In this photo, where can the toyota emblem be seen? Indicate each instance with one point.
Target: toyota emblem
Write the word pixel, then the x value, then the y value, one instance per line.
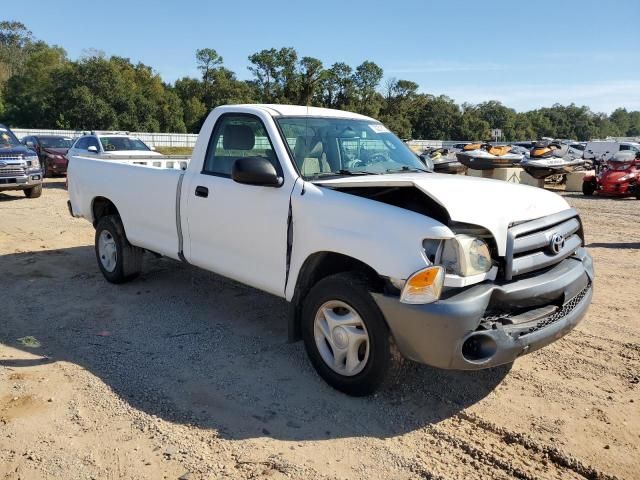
pixel 557 243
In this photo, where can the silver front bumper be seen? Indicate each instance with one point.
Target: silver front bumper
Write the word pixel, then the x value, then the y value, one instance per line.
pixel 22 182
pixel 442 333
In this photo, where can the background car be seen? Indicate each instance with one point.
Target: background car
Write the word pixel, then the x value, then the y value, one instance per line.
pixel 51 150
pixel 107 144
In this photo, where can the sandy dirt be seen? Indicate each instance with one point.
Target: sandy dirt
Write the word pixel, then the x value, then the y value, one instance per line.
pixel 183 374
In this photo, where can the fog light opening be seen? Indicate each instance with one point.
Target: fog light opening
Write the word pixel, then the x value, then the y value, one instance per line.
pixel 479 348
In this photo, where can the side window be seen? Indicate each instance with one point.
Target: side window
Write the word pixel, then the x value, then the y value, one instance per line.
pixel 81 144
pixel 93 142
pixel 236 136
pixel 625 147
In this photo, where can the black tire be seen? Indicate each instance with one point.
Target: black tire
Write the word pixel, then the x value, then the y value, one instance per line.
pixel 588 188
pixel 637 191
pixel 44 169
pixel 128 264
pixel 352 290
pixel 33 192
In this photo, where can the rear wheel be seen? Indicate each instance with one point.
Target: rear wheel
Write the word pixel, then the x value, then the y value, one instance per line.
pixel 44 169
pixel 637 192
pixel 119 261
pixel 33 192
pixel 345 335
pixel 588 188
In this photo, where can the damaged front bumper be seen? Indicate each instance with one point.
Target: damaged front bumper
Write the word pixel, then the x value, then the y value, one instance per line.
pixel 492 324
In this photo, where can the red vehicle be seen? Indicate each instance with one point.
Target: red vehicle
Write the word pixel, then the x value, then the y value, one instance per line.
pixel 619 178
pixel 52 151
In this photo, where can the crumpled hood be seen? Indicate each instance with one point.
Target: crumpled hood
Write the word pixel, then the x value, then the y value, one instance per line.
pixel 492 204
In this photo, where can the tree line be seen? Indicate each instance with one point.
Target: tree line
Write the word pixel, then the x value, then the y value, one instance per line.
pixel 40 87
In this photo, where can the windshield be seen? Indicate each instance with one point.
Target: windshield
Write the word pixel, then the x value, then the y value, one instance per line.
pixel 113 144
pixel 7 138
pixel 55 142
pixel 336 146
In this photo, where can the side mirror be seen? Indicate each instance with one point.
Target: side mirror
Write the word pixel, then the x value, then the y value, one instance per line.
pixel 152 148
pixel 30 144
pixel 255 171
pixel 93 149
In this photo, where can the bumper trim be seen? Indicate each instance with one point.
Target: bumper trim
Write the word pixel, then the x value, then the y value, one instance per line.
pixel 435 333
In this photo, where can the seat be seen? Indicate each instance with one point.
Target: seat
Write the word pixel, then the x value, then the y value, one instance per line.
pixel 310 157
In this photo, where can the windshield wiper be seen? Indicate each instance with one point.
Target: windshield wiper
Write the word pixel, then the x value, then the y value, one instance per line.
pixel 345 172
pixel 406 169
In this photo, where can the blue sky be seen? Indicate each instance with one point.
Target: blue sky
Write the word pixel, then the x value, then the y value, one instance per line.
pixel 525 54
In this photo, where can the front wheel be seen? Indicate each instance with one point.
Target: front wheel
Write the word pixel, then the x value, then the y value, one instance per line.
pixel 345 335
pixel 119 261
pixel 33 192
pixel 588 188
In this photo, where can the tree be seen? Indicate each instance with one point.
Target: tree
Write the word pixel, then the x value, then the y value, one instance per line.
pixel 311 72
pixel 366 79
pixel 15 41
pixel 337 86
pixel 275 75
pixel 437 118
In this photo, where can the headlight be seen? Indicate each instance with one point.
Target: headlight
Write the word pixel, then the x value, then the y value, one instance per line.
pixel 465 255
pixel 424 286
pixel 32 161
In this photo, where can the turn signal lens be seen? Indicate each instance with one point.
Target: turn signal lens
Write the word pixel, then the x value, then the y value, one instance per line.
pixel 424 286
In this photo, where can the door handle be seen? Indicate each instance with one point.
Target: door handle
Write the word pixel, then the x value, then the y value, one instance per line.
pixel 202 191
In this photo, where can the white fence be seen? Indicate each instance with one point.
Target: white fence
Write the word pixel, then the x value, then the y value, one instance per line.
pixel 151 139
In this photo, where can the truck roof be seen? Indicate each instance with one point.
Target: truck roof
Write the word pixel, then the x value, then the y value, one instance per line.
pixel 300 111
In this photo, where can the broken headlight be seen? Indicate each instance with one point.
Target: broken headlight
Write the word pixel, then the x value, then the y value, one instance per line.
pixel 466 255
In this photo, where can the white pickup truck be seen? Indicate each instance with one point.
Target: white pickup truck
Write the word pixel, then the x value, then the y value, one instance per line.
pixel 331 211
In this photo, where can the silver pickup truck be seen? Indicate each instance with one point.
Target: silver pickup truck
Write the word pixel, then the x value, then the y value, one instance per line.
pixel 19 166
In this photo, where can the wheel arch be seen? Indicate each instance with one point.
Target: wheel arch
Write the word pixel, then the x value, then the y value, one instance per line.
pixel 101 207
pixel 320 265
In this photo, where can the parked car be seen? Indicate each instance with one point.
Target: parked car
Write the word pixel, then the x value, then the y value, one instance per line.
pixel 604 150
pixel 19 166
pixel 331 211
pixel 110 145
pixel 51 150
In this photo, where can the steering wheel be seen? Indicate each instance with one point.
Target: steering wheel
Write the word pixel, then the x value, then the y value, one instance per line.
pixel 377 158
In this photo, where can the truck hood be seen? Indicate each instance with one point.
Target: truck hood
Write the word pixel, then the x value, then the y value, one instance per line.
pixel 492 204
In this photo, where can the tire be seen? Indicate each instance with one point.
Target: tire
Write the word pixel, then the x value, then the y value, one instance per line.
pixel 44 169
pixel 118 260
pixel 637 191
pixel 342 295
pixel 33 192
pixel 588 188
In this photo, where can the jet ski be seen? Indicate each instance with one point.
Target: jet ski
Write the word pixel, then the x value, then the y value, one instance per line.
pixel 444 161
pixel 548 158
pixel 484 156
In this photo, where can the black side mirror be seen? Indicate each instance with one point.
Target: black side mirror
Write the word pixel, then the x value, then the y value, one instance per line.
pixel 255 171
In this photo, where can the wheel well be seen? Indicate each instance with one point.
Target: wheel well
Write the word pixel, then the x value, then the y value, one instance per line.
pixel 321 265
pixel 102 207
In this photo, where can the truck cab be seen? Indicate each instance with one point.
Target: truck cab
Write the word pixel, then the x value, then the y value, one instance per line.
pixel 19 166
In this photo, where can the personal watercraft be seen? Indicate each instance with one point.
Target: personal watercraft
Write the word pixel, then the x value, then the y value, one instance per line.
pixel 549 158
pixel 484 156
pixel 444 161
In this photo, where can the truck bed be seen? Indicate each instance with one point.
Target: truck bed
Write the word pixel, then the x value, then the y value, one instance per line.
pixel 146 185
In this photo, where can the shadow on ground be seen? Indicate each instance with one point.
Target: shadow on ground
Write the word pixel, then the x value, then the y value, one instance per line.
pixel 192 347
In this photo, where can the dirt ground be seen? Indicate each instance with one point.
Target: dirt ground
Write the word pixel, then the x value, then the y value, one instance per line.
pixel 183 374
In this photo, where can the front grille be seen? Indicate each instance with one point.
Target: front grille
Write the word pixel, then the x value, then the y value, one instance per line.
pixel 565 310
pixel 10 157
pixel 529 243
pixel 12 172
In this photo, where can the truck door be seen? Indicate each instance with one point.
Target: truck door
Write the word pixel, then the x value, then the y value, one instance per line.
pixel 236 230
